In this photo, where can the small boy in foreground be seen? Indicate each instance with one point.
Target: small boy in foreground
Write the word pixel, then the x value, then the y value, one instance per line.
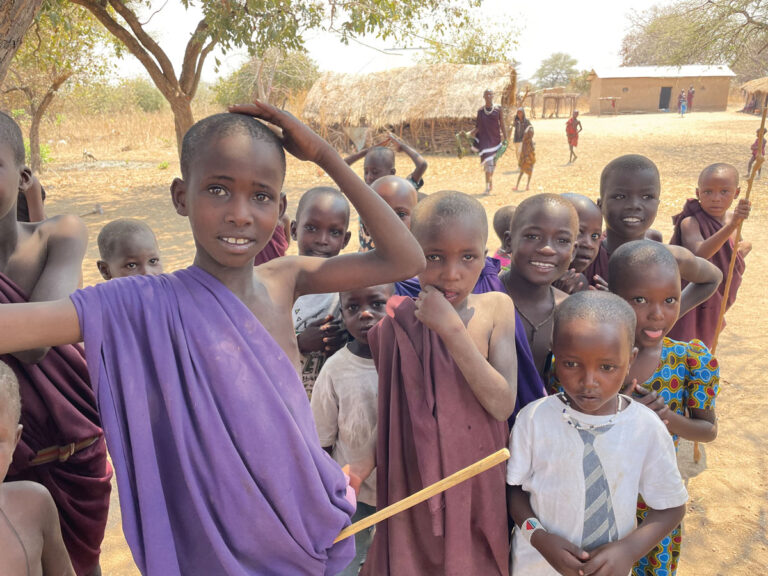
pixel 128 247
pixel 251 491
pixel 572 489
pixel 320 230
pixel 344 402
pixel 447 384
pixel 30 536
pixel 707 228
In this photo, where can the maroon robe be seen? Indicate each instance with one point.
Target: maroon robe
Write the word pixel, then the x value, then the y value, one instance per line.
pixel 58 408
pixel 701 322
pixel 275 248
pixel 431 425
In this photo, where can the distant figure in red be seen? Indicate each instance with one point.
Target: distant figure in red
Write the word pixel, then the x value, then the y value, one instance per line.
pixel 754 148
pixel 572 129
pixel 689 97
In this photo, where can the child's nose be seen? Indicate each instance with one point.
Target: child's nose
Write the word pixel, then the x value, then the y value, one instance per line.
pixel 239 212
pixel 547 248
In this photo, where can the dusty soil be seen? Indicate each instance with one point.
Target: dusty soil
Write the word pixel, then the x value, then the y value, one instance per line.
pixel 725 529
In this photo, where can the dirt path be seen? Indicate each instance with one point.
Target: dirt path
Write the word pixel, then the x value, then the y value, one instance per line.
pixel 725 529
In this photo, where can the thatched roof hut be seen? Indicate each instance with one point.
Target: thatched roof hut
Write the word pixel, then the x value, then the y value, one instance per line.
pixel 425 104
pixel 755 92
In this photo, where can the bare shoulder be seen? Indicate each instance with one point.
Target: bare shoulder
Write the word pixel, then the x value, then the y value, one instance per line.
pixel 488 300
pixel 29 499
pixel 66 226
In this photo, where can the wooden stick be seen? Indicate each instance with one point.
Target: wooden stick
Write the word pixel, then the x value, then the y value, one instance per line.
pixel 426 493
pixel 731 265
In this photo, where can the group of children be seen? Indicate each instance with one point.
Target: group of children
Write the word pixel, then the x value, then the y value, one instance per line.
pixel 419 355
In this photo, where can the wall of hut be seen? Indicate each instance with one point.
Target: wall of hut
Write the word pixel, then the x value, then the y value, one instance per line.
pixel 643 94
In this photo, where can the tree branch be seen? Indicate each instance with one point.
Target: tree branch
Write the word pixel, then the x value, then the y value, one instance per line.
pixel 200 62
pixel 190 63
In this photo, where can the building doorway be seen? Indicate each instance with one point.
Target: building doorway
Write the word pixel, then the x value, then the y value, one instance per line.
pixel 664 97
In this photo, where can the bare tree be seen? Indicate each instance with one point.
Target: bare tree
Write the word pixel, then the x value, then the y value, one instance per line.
pixel 15 18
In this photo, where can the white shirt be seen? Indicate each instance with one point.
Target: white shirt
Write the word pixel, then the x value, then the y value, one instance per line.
pixel 306 310
pixel 637 455
pixel 344 404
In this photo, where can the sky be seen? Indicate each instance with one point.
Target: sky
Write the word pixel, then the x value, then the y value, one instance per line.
pixel 591 33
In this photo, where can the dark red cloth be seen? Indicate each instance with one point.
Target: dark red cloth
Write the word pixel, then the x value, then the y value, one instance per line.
pixel 701 322
pixel 431 425
pixel 599 266
pixel 275 248
pixel 59 407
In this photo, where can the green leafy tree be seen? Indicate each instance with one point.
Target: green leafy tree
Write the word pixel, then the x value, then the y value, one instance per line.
pixel 557 70
pixel 15 18
pixel 63 43
pixel 476 42
pixel 734 32
pixel 258 25
pixel 274 77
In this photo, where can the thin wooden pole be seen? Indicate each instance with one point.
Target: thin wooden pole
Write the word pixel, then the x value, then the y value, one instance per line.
pixel 731 265
pixel 426 493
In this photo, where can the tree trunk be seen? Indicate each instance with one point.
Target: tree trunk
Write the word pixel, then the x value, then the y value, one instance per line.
pixel 15 18
pixel 182 117
pixel 37 116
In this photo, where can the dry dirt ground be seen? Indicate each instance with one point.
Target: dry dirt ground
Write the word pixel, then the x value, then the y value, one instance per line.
pixel 725 529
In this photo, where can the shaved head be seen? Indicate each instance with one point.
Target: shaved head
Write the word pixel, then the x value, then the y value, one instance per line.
pixel 438 210
pixel 538 201
pixel 502 220
pixel 719 169
pixel 9 392
pixel 628 163
pixel 314 194
pixel 115 232
pixel 394 186
pixel 636 257
pixel 582 202
pixel 600 308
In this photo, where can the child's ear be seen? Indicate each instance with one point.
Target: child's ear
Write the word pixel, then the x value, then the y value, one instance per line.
pixel 347 236
pixel 293 230
pixel 104 269
pixel 633 355
pixel 179 196
pixel 738 191
pixel 698 197
pixel 599 203
pixel 25 179
pixel 19 428
pixel 507 243
pixel 283 205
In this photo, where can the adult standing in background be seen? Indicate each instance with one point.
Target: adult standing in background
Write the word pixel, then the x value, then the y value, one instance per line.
pixel 491 134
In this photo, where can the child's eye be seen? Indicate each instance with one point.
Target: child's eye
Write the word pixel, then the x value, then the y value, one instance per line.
pixel 131 265
pixel 565 240
pixel 607 367
pixel 309 228
pixel 154 261
pixel 531 236
pixel 433 258
pixel 379 304
pixel 670 300
pixel 216 190
pixel 262 197
pixel 639 300
pixel 595 236
pixel 618 196
pixel 402 215
pixel 648 197
pixel 353 307
pixel 468 257
pixel 570 364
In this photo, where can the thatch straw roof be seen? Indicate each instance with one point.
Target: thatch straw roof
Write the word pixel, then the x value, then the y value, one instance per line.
pixel 391 97
pixel 756 85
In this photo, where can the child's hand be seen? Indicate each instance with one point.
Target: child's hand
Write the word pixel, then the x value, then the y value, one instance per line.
pixel 601 284
pixel 652 400
pixel 564 556
pixel 435 312
pixel 298 138
pixel 397 144
pixel 741 212
pixel 608 560
pixel 323 335
pixel 570 282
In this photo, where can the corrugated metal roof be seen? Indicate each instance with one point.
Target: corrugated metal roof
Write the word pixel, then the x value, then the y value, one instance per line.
pixel 691 71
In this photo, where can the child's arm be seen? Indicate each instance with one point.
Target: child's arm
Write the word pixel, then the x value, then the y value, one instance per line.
pixel 65 249
pixel 34 195
pixel 706 248
pixel 352 158
pixel 618 557
pixel 502 124
pixel 562 555
pixel 704 277
pixel 54 558
pixel 418 160
pixel 700 427
pixel 493 381
pixel 397 255
pixel 38 324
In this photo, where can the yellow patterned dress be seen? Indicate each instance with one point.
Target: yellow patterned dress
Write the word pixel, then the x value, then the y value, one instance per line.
pixel 688 376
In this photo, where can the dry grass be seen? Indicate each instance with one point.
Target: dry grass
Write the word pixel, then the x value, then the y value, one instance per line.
pixel 725 531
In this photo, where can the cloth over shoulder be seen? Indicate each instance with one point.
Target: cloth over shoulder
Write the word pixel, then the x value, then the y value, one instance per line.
pixel 430 426
pixel 218 463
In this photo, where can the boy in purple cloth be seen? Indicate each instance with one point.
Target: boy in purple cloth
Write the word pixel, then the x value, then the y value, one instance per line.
pixel 219 466
pixel 707 228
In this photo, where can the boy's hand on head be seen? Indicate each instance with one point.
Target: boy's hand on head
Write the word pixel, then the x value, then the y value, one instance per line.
pixel 435 312
pixel 297 137
pixel 564 556
pixel 608 560
pixel 741 212
pixel 649 398
pixel 397 144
